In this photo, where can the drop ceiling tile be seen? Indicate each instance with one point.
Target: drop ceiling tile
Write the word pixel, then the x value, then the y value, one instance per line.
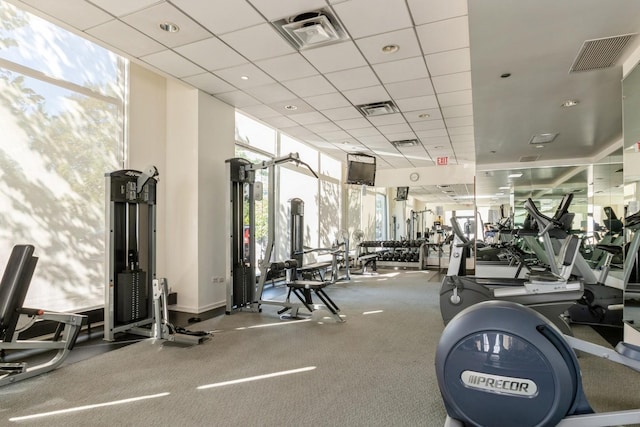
pixel 209 83
pixel 405 69
pixel 368 131
pixel 125 38
pixel 444 35
pixel 462 130
pixel 375 140
pixel 335 57
pixel 322 127
pixel 280 122
pixel 457 111
pixel 450 99
pixel 221 16
pixel 148 21
pixel 341 113
pixel 357 123
pixel 327 101
pixel 260 112
pixel 284 107
pixel 172 63
pixel 393 129
pixel 270 93
pixel 425 11
pixel 451 61
pixel 460 121
pixel 122 7
pixel 434 141
pixel 387 119
pixel 307 118
pixel 423 163
pixel 237 99
pixel 452 82
pixel 77 13
pixel 405 39
pixel 400 136
pixel 433 133
pixel 353 78
pixel 287 67
pixel 410 88
pixel 233 75
pixel 309 86
pixel 274 10
pixel 258 42
pixel 366 95
pixel 211 54
pixel 414 116
pixel 339 135
pixel 418 103
pixel 368 17
pixel 428 125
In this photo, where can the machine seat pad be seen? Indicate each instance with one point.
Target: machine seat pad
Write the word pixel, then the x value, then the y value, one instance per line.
pixel 315 266
pixel 307 284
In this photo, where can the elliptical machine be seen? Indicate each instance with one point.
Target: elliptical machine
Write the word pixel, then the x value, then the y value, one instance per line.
pixel 499 363
pixel 551 294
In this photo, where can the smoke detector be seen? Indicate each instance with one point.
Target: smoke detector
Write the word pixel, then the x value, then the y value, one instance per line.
pixel 311 29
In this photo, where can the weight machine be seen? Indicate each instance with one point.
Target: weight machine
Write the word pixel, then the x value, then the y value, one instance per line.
pixel 242 291
pixel 135 300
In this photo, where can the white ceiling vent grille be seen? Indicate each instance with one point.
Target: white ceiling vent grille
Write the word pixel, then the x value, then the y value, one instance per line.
pixel 600 53
pixel 405 143
pixel 311 29
pixel 378 108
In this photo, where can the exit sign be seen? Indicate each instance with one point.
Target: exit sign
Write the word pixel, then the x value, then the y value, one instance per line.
pixel 442 161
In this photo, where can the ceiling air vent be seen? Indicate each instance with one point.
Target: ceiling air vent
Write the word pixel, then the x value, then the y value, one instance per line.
pixel 543 138
pixel 378 108
pixel 405 143
pixel 600 53
pixel 311 29
pixel 528 158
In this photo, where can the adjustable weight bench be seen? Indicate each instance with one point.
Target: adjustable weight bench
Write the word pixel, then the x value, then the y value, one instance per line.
pixel 13 290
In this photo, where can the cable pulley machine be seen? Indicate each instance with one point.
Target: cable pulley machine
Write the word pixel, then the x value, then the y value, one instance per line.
pixel 242 291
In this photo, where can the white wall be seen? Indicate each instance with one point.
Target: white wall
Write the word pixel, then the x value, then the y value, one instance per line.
pixel 216 143
pixel 187 134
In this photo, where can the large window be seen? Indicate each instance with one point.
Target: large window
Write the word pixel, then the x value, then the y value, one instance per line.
pixel 322 196
pixel 61 115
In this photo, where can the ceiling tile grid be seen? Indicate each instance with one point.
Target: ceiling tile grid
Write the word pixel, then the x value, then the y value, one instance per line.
pixel 232 50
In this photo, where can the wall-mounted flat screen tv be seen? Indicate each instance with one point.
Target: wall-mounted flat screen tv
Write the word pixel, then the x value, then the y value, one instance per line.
pixel 402 193
pixel 361 169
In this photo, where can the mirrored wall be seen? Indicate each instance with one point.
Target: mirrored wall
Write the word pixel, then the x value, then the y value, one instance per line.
pixel 631 125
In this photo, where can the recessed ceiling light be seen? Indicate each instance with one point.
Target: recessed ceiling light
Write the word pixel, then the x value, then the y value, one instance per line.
pixel 505 75
pixel 290 107
pixel 244 77
pixel 570 103
pixel 169 27
pixel 504 188
pixel 390 48
pixel 424 116
pixel 539 146
pixel 515 175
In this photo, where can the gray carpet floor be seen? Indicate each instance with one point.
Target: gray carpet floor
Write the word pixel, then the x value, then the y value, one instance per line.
pixel 375 369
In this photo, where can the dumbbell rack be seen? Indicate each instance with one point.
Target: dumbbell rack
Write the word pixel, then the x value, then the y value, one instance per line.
pixel 396 253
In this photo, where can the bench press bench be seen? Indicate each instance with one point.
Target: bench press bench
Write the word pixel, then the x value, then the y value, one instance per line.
pixel 13 290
